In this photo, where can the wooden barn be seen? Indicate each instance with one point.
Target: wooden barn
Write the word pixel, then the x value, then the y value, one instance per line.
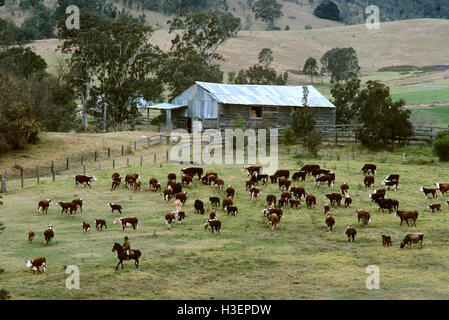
pixel 213 106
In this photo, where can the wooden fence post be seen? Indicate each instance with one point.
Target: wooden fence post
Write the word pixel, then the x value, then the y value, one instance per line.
pixel 127 162
pixel 123 149
pixel 113 164
pixel 6 174
pixel 37 174
pixel 95 156
pixel 21 176
pixel 135 145
pixel 67 164
pixel 99 165
pixel 4 189
pixel 155 158
pixel 84 169
pixel 166 155
pixel 52 165
pixel 141 160
pixel 53 175
pixel 109 152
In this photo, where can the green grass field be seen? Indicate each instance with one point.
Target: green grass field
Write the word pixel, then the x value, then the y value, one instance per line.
pixel 299 260
pixel 436 115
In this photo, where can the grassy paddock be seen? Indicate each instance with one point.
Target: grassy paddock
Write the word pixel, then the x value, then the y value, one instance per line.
pixel 248 260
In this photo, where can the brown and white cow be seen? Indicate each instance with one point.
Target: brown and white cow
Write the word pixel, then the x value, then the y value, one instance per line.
pixel 299 176
pixel 442 187
pixel 213 224
pixel 48 235
pixel 294 203
pixel 230 192
pixel 351 233
pixel 348 201
pixel 282 173
pixel 284 182
pixel 193 171
pixel 66 206
pixel 171 176
pixel 83 179
pixel 333 198
pixel 255 192
pixel 368 181
pixel 298 192
pixel 252 169
pixel 310 167
pixel 344 188
pixel 325 178
pixel 271 200
pixel 406 216
pixel 115 207
pixel 86 227
pixel 369 167
pixel 37 263
pixel 214 201
pixel 412 238
pixel 186 180
pixel 100 223
pixel 310 200
pixel 130 179
pixel 330 221
pixel 169 219
pixel 327 209
pixel 181 196
pixel 429 191
pixel 30 236
pixel 434 206
pixel 273 220
pixel 79 202
pixel 390 183
pixel 364 216
pixel 128 222
pixel 226 202
pixel 43 206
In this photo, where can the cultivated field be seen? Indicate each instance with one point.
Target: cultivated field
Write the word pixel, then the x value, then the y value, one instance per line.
pixel 298 260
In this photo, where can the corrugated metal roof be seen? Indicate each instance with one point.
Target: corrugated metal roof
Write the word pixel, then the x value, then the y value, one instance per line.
pixel 264 95
pixel 166 106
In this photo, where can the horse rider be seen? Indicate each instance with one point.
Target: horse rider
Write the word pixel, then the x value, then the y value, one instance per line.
pixel 126 246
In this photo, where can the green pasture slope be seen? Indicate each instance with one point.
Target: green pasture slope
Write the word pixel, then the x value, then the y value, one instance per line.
pixel 298 260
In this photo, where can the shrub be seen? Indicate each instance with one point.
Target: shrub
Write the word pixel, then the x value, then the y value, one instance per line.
pixel 441 148
pixel 4 294
pixel 327 10
pixel 313 142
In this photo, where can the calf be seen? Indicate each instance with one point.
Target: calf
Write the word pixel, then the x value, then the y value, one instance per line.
pixel 369 167
pixel 344 188
pixel 330 221
pixel 317 172
pixel 128 222
pixel 442 187
pixel 37 263
pixel 86 227
pixel 193 171
pixel 298 192
pixel 407 215
pixel 255 192
pixel 299 176
pixel 154 184
pixel 351 233
pixel 232 210
pixel 348 201
pixel 115 184
pixel 273 220
pixel 181 196
pixel 116 176
pixel 261 178
pixel 209 177
pixel 43 206
pixel 286 195
pixel 271 200
pixel 333 197
pixel 310 200
pixel 218 183
pixel 199 206
pixel 86 180
pixel 186 180
pixel 100 223
pixel 327 209
pixel 282 203
pixel 214 201
pixel 30 236
pixel 66 206
pixel 377 196
pixel 364 216
pixel 249 184
pixel 435 206
pixel 368 181
pixel 181 216
pixel 79 203
pixel 428 192
pixel 213 224
pixel 115 207
pixel 273 178
pixel 168 194
pixel 294 203
pixel 284 182
pixel 137 186
pixel 230 191
pixel 226 202
pixel 385 204
pixel 130 179
pixel 412 238
pixel 48 234
pixel 169 219
pixel 212 215
pixel 386 240
pixel 390 183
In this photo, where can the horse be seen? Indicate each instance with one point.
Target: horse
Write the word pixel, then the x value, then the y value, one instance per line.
pixel 121 255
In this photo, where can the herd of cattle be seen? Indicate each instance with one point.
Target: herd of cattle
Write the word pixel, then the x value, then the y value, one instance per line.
pixel 290 196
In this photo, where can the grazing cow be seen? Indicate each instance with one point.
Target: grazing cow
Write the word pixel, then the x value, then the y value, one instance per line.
pixel 385 204
pixel 282 202
pixel 435 206
pixel 43 206
pixel 325 178
pixel 66 206
pixel 213 224
pixel 282 173
pixel 214 201
pixel 386 240
pixel 308 168
pixel 181 196
pixel 392 177
pixel 115 184
pixel 407 215
pixel 128 222
pixel 252 170
pixel 137 186
pixel 37 263
pixel 116 176
pixel 168 194
pixel 226 202
pixel 48 234
pixel 86 180
pixel 192 171
pixel 153 184
pixel 181 216
pixel 169 219
pixel 115 207
pixel 218 183
pixel 298 192
pixel 212 215
pixel 86 227
pixel 130 179
pixel 209 177
pixel 286 195
pixel 333 197
pixel 171 176
pixel 30 236
pixel 199 206
pixel 442 187
pixel 369 167
pixel 330 221
pixel 230 192
pixel 255 192
pixel 276 211
pixel 310 200
pixel 294 203
pixel 364 216
pixel 299 176
pixel 344 188
pixel 351 233
pixel 317 172
pixel 412 238
pixel 79 203
pixel 232 210
pixel 327 209
pixel 271 200
pixel 348 201
pixel 273 220
pixel 284 182
pixel 100 223
pixel 249 184
pixel 429 191
pixel 260 178
pixel 368 181
pixel 186 180
pixel 390 183
pixel 376 196
pixel 273 178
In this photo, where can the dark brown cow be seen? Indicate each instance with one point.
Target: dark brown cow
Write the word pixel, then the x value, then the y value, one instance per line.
pixel 298 192
pixel 37 263
pixel 181 196
pixel 218 183
pixel 299 176
pixel 386 240
pixel 232 210
pixel 282 173
pixel 199 206
pixel 226 202
pixel 48 234
pixel 364 216
pixel 168 194
pixel 325 178
pixel 330 221
pixel 209 177
pixel 344 188
pixel 255 192
pixel 30 236
pixel 252 169
pixel 271 200
pixel 66 206
pixel 317 172
pixel 115 184
pixel 333 197
pixel 115 207
pixel 213 224
pixel 294 203
pixel 249 184
pixel 327 209
pixel 442 187
pixel 86 226
pixel 351 233
pixel 169 219
pixel 43 206
pixel 86 180
pixel 392 177
pixel 214 201
pixel 435 206
pixel 407 215
pixel 391 183
pixel 310 200
pixel 412 238
pixel 310 167
pixel 283 182
pixel 186 180
pixel 128 222
pixel 368 181
pixel 137 186
pixel 116 176
pixel 100 223
pixel 282 203
pixel 369 167
pixel 171 176
pixel 348 201
pixel 212 215
pixel 181 216
pixel 286 195
pixel 429 191
pixel 130 179
pixel 273 178
pixel 192 171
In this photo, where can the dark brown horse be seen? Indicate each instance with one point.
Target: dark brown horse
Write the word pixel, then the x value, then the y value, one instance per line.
pixel 121 255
